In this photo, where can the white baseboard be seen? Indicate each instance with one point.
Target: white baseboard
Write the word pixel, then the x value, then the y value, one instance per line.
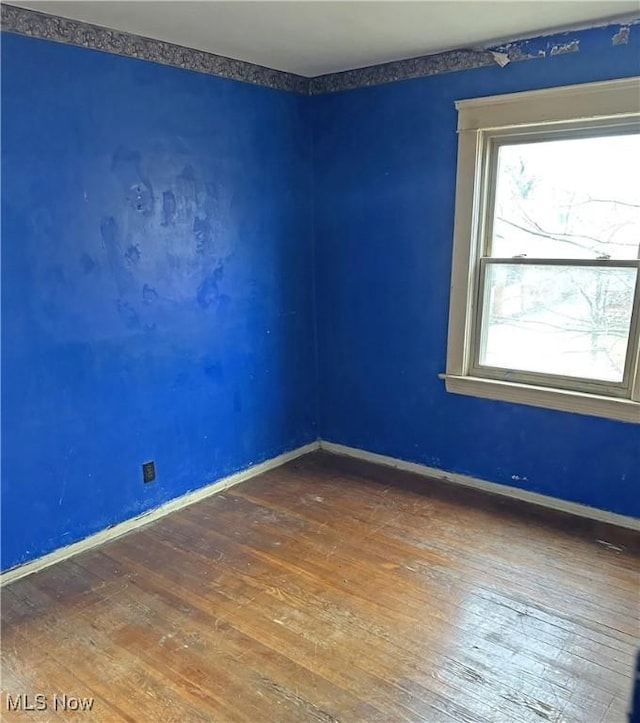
pixel 573 508
pixel 110 533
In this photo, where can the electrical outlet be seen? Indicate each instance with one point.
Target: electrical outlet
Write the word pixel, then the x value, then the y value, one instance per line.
pixel 148 471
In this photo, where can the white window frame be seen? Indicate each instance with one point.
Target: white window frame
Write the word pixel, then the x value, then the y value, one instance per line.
pixel 590 108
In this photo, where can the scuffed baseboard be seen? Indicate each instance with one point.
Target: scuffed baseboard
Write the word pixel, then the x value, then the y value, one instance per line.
pixel 111 533
pixel 572 508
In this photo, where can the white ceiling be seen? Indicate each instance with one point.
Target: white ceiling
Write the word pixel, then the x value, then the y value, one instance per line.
pixel 311 38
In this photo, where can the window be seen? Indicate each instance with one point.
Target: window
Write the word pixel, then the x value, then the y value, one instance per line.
pixel 545 292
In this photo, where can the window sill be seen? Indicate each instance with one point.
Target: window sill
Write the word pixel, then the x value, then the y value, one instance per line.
pixel 563 400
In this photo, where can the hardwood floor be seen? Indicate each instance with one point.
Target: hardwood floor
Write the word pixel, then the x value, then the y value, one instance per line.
pixel 330 590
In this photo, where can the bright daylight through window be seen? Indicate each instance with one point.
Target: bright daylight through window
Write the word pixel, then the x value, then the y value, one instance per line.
pixel 545 305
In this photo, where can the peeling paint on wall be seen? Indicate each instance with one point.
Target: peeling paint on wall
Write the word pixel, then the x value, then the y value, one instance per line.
pixel 502 59
pixel 571 47
pixel 517 51
pixel 621 37
pixel 537 48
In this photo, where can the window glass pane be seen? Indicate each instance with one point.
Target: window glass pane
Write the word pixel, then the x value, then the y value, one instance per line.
pixel 565 320
pixel 572 198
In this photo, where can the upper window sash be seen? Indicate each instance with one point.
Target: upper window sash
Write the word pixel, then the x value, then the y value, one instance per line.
pixel 489 144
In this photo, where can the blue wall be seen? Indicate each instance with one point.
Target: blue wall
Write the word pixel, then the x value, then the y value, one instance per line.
pixel 385 178
pixel 156 286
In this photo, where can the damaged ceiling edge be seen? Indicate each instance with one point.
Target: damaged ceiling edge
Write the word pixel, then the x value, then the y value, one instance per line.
pixel 467 59
pixel 44 26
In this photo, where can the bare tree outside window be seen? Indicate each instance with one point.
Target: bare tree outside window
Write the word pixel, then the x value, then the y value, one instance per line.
pixel 573 204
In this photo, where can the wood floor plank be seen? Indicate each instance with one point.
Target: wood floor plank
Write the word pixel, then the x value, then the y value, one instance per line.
pixel 329 590
pixel 388 551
